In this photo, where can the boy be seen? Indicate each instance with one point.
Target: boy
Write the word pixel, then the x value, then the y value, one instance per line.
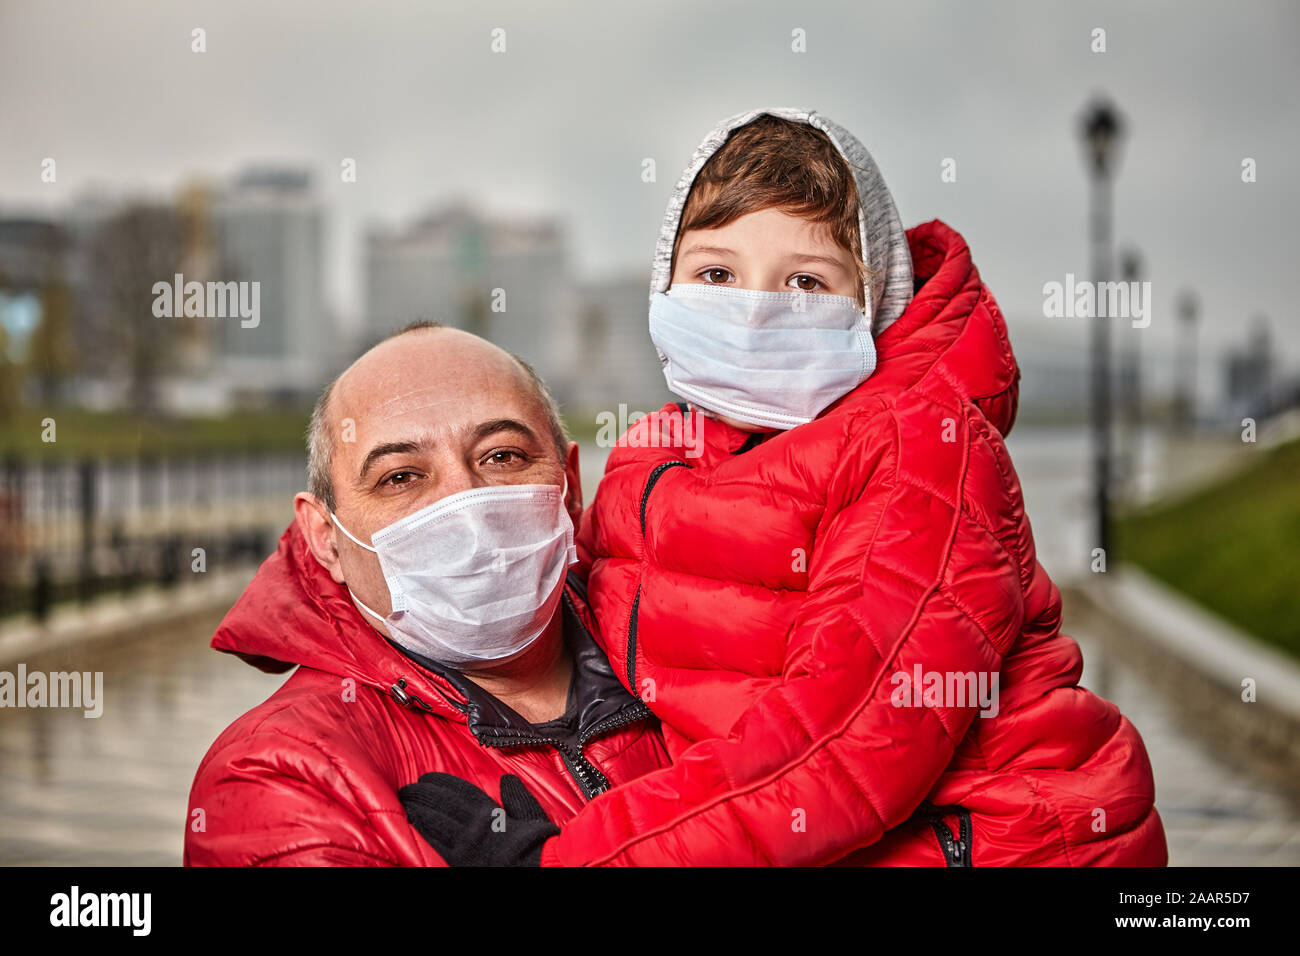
pixel 834 606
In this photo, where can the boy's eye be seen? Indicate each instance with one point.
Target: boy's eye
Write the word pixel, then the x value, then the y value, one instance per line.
pixel 716 275
pixel 806 283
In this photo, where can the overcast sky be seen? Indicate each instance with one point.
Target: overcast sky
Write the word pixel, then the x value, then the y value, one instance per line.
pixel 561 122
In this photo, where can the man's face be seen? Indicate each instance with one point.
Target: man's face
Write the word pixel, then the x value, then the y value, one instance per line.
pixel 769 251
pixel 422 416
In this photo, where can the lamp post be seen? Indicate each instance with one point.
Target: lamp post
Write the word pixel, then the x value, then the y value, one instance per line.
pixel 1130 376
pixel 1101 129
pixel 1185 394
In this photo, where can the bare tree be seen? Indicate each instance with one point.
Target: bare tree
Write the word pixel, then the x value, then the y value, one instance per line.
pixel 141 245
pixel 49 353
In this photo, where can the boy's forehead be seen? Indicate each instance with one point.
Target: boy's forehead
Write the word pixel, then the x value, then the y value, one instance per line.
pixel 768 231
pixel 769 220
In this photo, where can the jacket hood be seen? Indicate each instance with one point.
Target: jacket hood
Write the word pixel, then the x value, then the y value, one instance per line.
pixel 889 288
pixel 952 330
pixel 293 613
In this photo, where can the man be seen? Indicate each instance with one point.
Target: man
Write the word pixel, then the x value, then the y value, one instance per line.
pixel 422 591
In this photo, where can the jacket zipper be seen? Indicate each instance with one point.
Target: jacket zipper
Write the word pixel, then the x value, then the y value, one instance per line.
pixel 404 697
pixel 588 776
pixel 636 600
pixel 956 851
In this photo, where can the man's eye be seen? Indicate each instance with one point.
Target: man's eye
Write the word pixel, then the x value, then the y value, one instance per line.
pixel 503 457
pixel 400 478
pixel 806 283
pixel 710 275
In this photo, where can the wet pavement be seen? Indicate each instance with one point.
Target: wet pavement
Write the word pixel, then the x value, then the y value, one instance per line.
pixel 1214 812
pixel 114 790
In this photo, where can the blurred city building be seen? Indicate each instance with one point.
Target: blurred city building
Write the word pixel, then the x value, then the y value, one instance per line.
pixel 267 226
pixel 76 298
pixel 512 281
pixel 617 359
pixel 508 280
pixel 1254 384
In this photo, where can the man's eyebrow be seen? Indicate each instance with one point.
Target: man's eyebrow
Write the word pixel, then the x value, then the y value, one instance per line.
pixel 387 448
pixel 501 425
pixel 480 431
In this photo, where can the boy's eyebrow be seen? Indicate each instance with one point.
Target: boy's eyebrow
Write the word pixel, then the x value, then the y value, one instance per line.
pixel 813 257
pixel 799 256
pixel 714 250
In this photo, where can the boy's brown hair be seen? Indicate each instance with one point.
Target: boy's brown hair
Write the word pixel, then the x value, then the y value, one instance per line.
pixel 773 162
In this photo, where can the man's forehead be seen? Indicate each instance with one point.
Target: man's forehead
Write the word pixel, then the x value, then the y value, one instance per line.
pixel 423 391
pixel 430 409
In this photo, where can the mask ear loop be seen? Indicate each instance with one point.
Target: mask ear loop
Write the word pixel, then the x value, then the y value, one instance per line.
pixel 339 525
pixel 356 600
pixel 571 556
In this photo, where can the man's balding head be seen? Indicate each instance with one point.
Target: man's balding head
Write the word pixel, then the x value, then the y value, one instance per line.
pixel 427 413
pixel 326 429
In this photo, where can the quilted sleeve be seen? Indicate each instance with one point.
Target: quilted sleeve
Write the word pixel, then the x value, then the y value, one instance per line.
pixel 916 574
pixel 273 799
pixel 609 524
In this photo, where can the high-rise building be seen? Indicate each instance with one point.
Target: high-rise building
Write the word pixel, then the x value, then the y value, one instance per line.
pixel 507 280
pixel 618 360
pixel 268 228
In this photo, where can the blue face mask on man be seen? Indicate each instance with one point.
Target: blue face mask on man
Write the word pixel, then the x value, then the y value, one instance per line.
pixel 775 359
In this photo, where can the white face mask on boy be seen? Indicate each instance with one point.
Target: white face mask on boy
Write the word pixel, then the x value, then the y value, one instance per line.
pixel 775 359
pixel 475 577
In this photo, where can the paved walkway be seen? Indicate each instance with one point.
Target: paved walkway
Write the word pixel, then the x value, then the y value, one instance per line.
pixel 113 790
pixel 1214 813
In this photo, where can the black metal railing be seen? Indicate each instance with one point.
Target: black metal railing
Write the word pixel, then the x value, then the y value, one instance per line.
pixel 73 530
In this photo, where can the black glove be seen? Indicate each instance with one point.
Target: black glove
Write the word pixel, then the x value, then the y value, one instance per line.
pixel 466 826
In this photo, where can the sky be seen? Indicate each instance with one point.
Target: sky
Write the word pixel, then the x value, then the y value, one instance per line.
pixel 561 121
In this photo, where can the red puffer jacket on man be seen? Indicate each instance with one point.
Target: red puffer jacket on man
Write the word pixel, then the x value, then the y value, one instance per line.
pixel 765 595
pixel 310 777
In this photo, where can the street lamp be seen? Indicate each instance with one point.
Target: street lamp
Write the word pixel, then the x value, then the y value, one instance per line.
pixel 1101 129
pixel 1130 377
pixel 1185 394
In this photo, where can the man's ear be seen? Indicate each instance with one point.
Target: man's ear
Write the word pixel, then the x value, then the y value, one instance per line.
pixel 314 522
pixel 573 472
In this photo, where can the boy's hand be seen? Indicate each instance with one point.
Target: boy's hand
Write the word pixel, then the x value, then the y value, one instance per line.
pixel 466 826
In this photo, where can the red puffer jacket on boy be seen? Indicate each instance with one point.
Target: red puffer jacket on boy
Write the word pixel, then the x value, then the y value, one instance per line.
pixel 775 598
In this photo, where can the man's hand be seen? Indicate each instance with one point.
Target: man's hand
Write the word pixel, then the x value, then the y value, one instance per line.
pixel 466 826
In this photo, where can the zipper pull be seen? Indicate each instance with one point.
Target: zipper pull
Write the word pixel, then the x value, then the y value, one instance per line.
pixel 399 694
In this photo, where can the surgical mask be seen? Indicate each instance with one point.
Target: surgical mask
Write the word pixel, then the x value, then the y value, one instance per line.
pixel 775 359
pixel 475 577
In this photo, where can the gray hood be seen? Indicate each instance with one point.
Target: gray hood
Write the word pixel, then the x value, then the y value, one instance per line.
pixel 883 241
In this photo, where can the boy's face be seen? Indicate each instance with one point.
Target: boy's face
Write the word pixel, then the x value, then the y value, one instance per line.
pixel 769 251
